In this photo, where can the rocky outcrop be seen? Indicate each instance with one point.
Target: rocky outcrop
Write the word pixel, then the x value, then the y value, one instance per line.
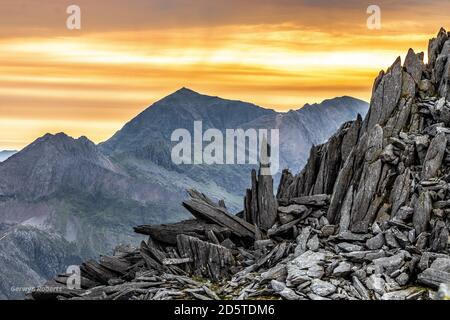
pixel 367 218
pixel 398 153
pixel 260 205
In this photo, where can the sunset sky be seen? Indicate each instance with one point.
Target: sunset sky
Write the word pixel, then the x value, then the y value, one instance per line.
pixel 279 54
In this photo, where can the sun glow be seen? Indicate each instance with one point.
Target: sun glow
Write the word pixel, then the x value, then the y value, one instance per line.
pixel 91 83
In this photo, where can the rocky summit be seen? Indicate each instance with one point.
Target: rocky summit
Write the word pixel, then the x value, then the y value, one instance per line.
pixel 367 218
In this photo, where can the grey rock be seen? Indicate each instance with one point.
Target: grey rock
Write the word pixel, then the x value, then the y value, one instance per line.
pixel 402 186
pixel 391 240
pixel 433 278
pixel 441 264
pixel 403 214
pixel 422 212
pixel 203 208
pixel 348 247
pixel 302 241
pixel 376 283
pixel 440 236
pixel 434 157
pixel 210 260
pixel 402 279
pixel 375 243
pixel 414 65
pixel 388 155
pixel 313 243
pixel 392 263
pixel 309 261
pixel 322 288
pixel 360 288
pixel 293 209
pixel 343 269
pixel 422 143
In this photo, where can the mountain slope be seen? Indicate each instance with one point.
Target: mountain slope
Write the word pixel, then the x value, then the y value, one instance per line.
pixel 66 185
pixel 5 154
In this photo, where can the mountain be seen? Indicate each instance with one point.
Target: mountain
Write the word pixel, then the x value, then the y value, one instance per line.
pixel 68 186
pixel 179 110
pixel 367 218
pixel 5 154
pixel 91 196
pixel 145 141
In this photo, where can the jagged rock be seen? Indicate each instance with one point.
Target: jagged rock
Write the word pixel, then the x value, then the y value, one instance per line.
pixel 360 289
pixel 285 218
pixel 441 264
pixel 313 243
pixel 403 214
pixel 376 283
pixel 375 243
pixel 294 209
pixel 360 217
pixel 286 293
pixel 209 260
pixel 422 212
pixel 306 266
pixel 285 181
pixel 414 65
pixel 440 236
pixel 391 240
pixel 260 203
pixel 402 186
pixel 348 247
pixel 388 155
pixel 283 228
pixel 302 241
pixel 318 200
pixel 322 288
pixel 434 157
pixel 406 294
pixel 275 273
pixel 167 233
pixel 343 269
pixel 422 142
pixel 204 209
pixel 392 263
pixel 435 46
pixel 433 278
pixel 96 272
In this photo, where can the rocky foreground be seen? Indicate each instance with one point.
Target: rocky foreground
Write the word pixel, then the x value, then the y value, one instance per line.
pixel 367 218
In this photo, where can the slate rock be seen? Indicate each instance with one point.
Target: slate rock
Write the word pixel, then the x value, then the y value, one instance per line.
pixel 322 288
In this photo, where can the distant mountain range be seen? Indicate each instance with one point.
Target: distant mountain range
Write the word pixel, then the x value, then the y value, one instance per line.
pixel 5 154
pixel 90 196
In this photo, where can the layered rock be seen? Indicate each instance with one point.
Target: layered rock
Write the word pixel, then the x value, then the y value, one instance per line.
pixel 396 157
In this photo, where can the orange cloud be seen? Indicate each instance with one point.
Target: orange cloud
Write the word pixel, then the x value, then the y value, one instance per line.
pixel 285 55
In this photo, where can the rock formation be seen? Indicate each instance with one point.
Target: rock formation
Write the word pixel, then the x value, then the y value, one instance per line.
pixel 367 218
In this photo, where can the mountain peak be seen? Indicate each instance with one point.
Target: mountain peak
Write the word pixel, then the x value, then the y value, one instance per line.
pixel 185 92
